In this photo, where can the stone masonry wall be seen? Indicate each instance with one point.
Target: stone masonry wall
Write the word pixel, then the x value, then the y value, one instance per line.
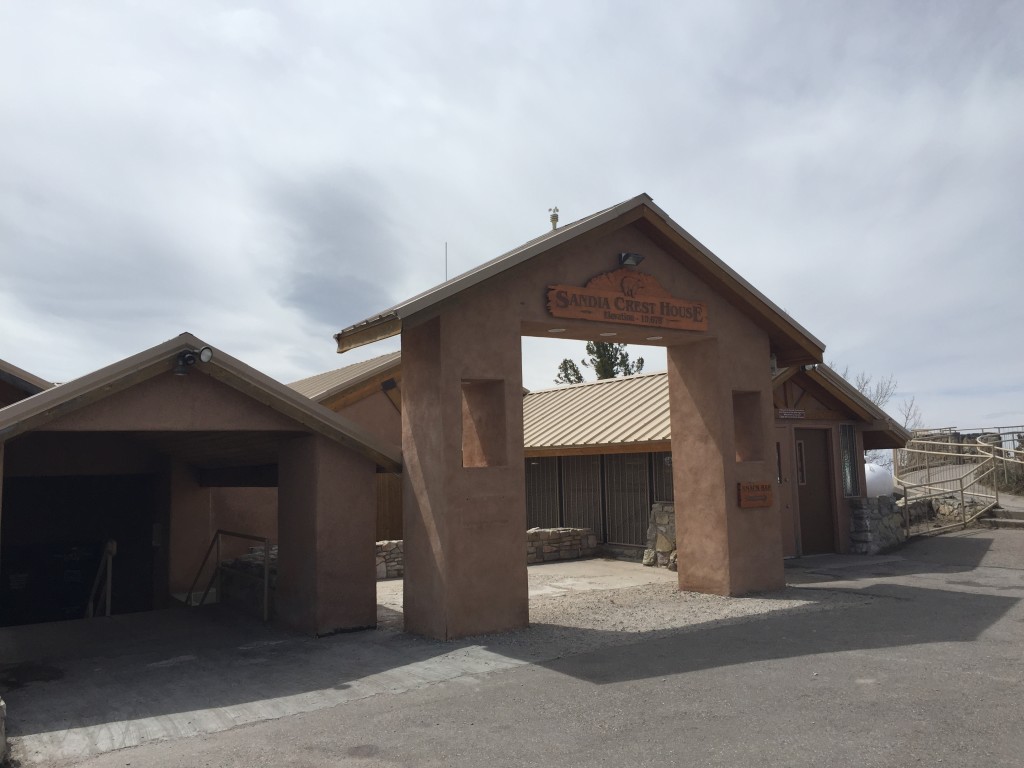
pixel 544 545
pixel 661 536
pixel 876 525
pixel 390 559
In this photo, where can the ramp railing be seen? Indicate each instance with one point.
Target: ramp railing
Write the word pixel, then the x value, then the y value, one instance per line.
pixel 216 575
pixel 957 470
pixel 106 568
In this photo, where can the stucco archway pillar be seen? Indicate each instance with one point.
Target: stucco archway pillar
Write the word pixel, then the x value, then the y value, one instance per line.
pixel 464 497
pixel 720 400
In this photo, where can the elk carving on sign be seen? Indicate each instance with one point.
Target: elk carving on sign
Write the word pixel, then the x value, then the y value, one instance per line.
pixel 630 282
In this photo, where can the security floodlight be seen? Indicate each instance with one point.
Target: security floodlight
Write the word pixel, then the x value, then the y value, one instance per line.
pixel 189 357
pixel 630 259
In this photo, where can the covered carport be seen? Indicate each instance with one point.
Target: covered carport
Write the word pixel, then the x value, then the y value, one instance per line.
pixel 159 451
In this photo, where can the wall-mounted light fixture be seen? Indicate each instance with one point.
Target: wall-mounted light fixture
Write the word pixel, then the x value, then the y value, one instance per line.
pixel 189 357
pixel 811 367
pixel 630 259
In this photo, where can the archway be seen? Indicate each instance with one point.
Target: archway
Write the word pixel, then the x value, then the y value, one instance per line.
pixel 464 497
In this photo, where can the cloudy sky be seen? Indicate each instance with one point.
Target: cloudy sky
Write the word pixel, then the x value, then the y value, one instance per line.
pixel 265 174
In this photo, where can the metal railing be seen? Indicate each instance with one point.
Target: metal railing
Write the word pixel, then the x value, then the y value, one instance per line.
pixel 106 567
pixel 216 575
pixel 964 466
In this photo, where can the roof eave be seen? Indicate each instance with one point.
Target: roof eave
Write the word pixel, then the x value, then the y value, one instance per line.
pixel 367 332
pixel 389 322
pixel 36 411
pixel 793 343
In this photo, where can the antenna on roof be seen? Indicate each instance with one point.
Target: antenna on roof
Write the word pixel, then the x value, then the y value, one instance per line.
pixel 554 217
pixel 446 261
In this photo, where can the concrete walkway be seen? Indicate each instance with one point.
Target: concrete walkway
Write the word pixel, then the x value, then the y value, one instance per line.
pixel 83 688
pixel 909 659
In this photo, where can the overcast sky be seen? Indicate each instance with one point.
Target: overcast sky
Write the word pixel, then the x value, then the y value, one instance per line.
pixel 265 174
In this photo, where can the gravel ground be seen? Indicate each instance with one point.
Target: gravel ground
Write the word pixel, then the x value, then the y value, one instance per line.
pixel 580 621
pixel 584 621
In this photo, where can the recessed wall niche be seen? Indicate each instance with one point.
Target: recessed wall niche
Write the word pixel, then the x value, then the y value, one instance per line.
pixel 746 419
pixel 483 423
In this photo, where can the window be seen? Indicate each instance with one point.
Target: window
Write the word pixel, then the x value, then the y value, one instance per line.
pixel 850 465
pixel 801 465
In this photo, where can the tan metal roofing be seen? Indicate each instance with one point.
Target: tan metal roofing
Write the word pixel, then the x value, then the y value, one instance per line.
pixel 327 384
pixel 795 344
pixel 633 409
pixel 40 409
pixel 32 381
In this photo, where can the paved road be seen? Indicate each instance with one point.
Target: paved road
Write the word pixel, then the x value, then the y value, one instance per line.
pixel 920 663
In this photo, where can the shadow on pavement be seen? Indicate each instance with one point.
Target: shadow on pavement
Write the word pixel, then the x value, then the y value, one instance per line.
pixel 120 670
pixel 948 554
pixel 898 616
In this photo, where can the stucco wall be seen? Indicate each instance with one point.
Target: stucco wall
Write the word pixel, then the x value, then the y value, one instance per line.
pixel 453 505
pixel 243 510
pixel 378 416
pixel 195 402
pixel 326 522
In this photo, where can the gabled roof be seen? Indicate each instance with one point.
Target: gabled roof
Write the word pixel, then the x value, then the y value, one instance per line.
pixel 792 343
pixel 323 386
pixel 22 379
pixel 895 435
pixel 42 408
pixel 629 411
pixel 883 432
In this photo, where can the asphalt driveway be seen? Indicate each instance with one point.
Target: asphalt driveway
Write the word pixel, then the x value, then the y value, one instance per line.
pixel 914 658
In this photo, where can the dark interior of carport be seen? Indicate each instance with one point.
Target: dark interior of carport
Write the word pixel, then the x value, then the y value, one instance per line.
pixel 65 495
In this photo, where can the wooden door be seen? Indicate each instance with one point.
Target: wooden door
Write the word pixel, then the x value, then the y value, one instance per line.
pixel 785 485
pixel 814 491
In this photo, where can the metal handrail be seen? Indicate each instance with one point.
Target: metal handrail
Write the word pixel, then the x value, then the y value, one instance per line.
pixel 107 565
pixel 215 543
pixel 985 454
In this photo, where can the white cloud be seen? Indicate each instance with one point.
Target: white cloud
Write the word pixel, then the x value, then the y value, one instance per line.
pixel 265 174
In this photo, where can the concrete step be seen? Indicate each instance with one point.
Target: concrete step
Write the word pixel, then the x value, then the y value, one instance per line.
pixel 1001 522
pixel 1008 514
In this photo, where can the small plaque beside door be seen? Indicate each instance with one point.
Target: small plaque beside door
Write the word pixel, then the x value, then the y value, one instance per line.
pixel 754 495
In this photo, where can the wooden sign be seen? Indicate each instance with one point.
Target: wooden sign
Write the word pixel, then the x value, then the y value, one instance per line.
pixel 627 296
pixel 791 413
pixel 754 495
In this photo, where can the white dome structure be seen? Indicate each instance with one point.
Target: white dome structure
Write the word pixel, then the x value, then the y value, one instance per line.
pixel 879 481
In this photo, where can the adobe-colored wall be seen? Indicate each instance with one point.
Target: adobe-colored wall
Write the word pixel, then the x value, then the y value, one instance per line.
pixel 451 509
pixel 191 528
pixel 378 416
pixel 326 522
pixel 465 565
pixel 243 510
pixel 195 402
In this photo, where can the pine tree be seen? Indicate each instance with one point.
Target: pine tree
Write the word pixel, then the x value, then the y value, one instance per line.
pixel 606 358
